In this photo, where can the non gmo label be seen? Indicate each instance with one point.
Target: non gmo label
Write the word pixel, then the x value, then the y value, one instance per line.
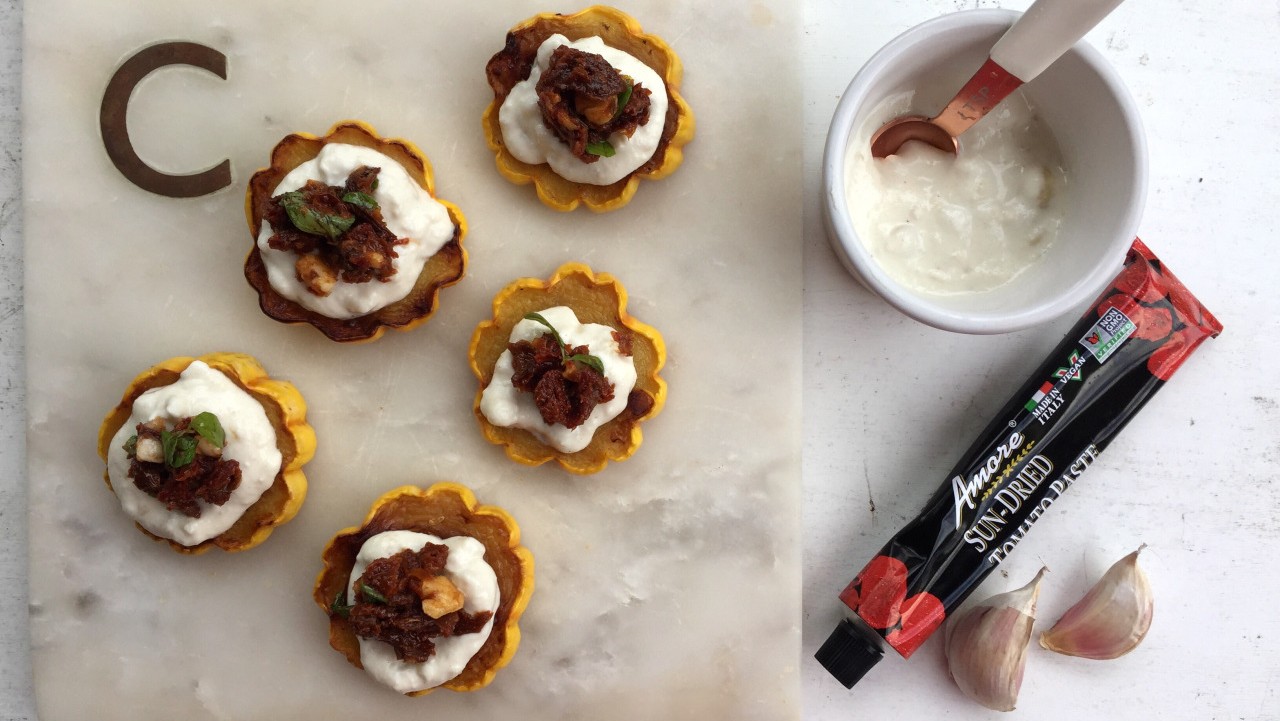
pixel 1108 334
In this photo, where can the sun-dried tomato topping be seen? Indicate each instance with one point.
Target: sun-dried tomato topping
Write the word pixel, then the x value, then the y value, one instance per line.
pixel 206 478
pixel 399 620
pixel 530 360
pixel 639 403
pixel 364 252
pixel 624 339
pixel 579 95
pixel 564 391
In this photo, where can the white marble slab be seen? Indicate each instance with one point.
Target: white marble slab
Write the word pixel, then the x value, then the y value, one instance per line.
pixel 668 585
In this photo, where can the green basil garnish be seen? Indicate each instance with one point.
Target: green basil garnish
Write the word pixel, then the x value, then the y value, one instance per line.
pixel 208 427
pixel 602 149
pixel 361 200
pixel 179 448
pixel 589 361
pixel 371 593
pixel 537 317
pixel 307 220
pixel 340 607
pixel 131 446
pixel 624 97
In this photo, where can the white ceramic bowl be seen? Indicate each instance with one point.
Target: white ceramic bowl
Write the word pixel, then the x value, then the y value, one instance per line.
pixel 1084 103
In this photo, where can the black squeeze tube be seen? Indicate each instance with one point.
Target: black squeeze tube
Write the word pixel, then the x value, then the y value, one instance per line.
pixel 1050 431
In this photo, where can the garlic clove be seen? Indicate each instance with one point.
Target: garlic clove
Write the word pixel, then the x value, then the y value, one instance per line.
pixel 1111 619
pixel 986 646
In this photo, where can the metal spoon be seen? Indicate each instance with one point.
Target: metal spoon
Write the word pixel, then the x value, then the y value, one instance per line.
pixel 1044 32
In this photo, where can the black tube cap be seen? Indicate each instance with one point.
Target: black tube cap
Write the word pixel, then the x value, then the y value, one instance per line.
pixel 848 654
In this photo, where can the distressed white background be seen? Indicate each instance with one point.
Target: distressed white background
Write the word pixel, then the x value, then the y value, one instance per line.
pixel 890 403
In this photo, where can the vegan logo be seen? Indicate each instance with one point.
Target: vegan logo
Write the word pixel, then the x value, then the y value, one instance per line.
pixel 1072 370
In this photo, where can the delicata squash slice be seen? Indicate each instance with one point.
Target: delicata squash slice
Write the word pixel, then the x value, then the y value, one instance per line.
pixel 445 513
pixel 565 373
pixel 366 244
pixel 208 452
pixel 529 151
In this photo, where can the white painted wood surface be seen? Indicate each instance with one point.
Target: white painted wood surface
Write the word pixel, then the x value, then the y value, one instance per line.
pixel 1205 75
pixel 889 403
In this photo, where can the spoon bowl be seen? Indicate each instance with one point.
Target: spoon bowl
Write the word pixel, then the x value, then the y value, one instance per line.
pixel 889 138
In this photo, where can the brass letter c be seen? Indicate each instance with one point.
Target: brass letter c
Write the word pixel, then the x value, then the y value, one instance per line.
pixel 115 132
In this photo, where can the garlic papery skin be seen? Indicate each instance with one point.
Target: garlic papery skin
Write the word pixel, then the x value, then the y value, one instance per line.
pixel 986 645
pixel 1111 619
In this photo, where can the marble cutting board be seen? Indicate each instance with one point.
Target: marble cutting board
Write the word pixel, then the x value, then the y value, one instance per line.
pixel 667 586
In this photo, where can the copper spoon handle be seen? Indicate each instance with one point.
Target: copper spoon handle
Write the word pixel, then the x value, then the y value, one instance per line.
pixel 984 91
pixel 1044 32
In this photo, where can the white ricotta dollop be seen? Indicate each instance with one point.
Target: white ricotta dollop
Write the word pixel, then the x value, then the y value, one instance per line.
pixel 250 439
pixel 467 569
pixel 527 137
pixel 506 406
pixel 948 224
pixel 409 212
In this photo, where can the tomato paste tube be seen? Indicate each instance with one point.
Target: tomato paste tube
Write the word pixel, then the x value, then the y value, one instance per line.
pixel 1052 429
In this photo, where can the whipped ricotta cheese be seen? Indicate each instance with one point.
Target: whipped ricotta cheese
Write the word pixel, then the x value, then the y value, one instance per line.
pixel 409 212
pixel 946 224
pixel 504 405
pixel 250 439
pixel 527 137
pixel 467 569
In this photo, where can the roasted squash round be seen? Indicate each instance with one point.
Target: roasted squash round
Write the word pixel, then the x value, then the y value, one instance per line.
pixel 295 439
pixel 618 30
pixel 442 269
pixel 594 298
pixel 444 510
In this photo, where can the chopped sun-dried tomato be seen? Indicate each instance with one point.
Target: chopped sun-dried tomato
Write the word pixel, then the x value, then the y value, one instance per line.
pixel 565 391
pixel 397 617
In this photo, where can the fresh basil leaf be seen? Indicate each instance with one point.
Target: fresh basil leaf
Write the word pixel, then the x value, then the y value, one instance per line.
pixel 131 446
pixel 184 450
pixel 169 442
pixel 340 607
pixel 208 427
pixel 602 149
pixel 375 184
pixel 537 317
pixel 361 200
pixel 371 593
pixel 179 448
pixel 589 361
pixel 307 220
pixel 624 97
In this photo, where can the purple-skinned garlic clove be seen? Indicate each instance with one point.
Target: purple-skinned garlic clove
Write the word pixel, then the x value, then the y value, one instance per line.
pixel 1111 619
pixel 986 646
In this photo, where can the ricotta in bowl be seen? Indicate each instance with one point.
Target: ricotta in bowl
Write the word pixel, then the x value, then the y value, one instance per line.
pixel 967 223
